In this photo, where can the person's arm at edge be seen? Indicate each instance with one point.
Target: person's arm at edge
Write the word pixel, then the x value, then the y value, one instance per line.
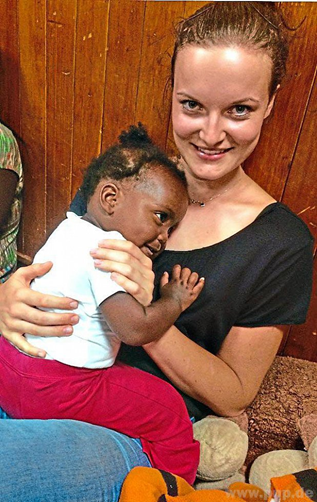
pixel 226 383
pixel 8 182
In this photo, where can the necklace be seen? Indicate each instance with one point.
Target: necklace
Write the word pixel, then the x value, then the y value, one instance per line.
pixel 202 203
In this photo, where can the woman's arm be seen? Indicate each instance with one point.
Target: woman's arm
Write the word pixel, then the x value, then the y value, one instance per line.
pixel 226 383
pixel 20 306
pixel 20 309
pixel 130 268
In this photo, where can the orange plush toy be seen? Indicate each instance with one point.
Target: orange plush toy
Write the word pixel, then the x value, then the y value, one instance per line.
pixel 146 484
pixel 297 487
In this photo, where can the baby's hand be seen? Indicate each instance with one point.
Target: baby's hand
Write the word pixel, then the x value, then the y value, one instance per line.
pixel 184 286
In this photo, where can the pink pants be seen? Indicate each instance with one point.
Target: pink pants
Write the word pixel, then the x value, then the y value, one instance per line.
pixel 122 398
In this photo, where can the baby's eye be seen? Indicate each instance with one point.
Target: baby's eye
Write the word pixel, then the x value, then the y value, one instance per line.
pixel 190 105
pixel 162 216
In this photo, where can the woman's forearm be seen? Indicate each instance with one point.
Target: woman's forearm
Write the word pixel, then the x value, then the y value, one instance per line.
pixel 196 372
pixel 226 383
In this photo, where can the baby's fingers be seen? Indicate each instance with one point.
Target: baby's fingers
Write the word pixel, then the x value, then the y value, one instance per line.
pixel 192 280
pixel 164 279
pixel 176 272
pixel 185 276
pixel 199 286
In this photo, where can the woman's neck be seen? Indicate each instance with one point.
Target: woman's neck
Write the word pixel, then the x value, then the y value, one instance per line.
pixel 222 217
pixel 201 192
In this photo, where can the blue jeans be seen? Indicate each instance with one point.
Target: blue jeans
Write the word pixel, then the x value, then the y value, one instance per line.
pixel 64 461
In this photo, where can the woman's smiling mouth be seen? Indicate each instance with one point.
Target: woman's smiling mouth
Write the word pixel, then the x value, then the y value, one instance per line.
pixel 211 153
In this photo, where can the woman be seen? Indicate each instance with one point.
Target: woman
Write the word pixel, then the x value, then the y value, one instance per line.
pixel 256 255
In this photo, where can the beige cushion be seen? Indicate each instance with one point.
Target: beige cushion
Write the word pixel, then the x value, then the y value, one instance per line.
pixel 223 448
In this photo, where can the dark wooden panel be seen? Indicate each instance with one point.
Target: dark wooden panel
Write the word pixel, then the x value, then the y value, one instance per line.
pixel 153 104
pixel 301 195
pixel 123 67
pixel 60 69
pixel 90 54
pixel 301 189
pixel 32 33
pixel 9 65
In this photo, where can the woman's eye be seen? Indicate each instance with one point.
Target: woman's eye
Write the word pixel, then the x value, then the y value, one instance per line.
pixel 162 217
pixel 190 105
pixel 240 111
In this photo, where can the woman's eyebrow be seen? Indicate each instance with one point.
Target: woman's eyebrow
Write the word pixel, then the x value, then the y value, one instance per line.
pixel 185 95
pixel 246 99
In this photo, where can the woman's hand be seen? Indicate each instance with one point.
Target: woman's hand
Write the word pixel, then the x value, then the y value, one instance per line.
pixel 20 310
pixel 130 268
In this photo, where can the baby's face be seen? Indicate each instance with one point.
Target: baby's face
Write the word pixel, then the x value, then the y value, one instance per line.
pixel 151 209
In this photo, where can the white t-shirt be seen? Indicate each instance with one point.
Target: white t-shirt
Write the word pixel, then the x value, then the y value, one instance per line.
pixel 92 344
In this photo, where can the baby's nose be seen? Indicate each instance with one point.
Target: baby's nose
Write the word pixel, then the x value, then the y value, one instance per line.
pixel 163 236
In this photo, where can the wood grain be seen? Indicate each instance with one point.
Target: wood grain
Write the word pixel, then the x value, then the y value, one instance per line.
pixel 89 85
pixel 32 89
pixel 60 71
pixel 123 67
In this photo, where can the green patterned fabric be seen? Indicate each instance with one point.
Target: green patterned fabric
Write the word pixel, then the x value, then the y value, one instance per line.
pixel 10 159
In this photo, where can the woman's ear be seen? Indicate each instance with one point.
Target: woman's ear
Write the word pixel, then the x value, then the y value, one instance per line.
pixel 271 103
pixel 108 197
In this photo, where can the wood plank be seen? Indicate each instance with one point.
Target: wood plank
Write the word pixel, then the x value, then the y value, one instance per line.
pixel 153 104
pixel 123 66
pixel 301 195
pixel 32 32
pixel 90 54
pixel 269 165
pixel 301 189
pixel 60 70
pixel 9 65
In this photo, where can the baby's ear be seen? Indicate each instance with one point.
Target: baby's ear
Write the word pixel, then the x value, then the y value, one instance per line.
pixel 108 196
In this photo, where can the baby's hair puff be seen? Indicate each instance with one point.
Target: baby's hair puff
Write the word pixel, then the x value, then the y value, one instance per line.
pixel 131 157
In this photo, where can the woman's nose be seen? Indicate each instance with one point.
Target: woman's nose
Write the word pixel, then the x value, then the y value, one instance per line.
pixel 212 131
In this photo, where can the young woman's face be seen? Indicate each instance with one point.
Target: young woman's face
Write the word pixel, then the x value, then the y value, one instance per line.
pixel 220 99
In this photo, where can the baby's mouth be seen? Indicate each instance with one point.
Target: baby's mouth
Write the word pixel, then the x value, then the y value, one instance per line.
pixel 151 251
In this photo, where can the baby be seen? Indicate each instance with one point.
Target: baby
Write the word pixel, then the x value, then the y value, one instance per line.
pixel 133 191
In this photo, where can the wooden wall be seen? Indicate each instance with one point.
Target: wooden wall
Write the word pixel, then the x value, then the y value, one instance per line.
pixel 74 73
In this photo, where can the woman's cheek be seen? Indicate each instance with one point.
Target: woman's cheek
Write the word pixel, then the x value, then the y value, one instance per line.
pixel 245 132
pixel 184 126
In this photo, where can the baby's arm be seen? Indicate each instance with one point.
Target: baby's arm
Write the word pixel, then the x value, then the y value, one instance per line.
pixel 138 325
